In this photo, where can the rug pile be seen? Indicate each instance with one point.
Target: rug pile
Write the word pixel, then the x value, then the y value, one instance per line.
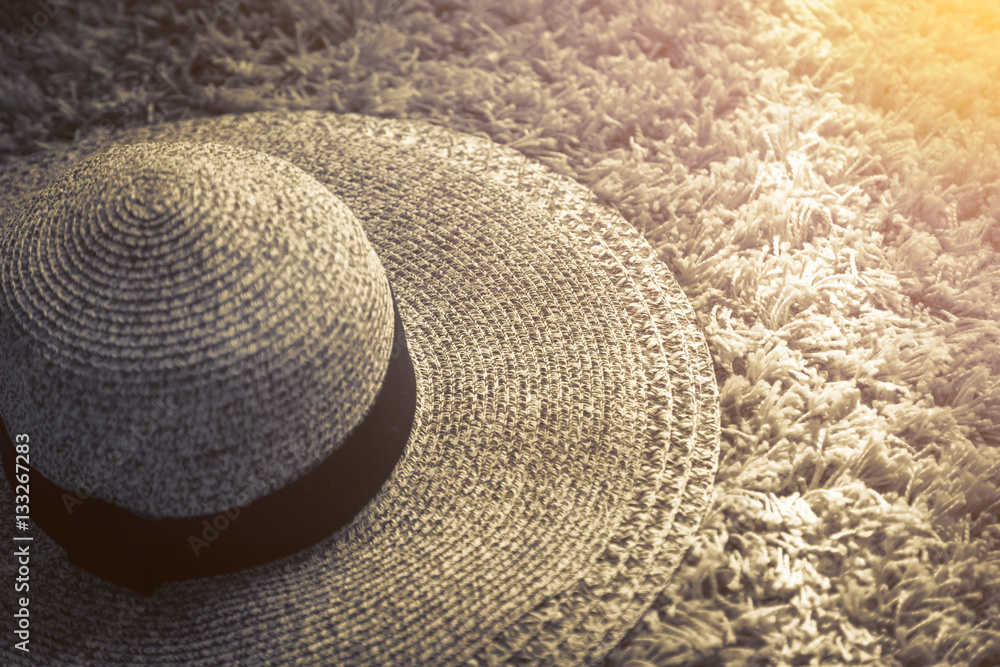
pixel 823 178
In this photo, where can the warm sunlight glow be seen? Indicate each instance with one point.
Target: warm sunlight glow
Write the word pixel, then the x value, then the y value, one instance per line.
pixel 926 58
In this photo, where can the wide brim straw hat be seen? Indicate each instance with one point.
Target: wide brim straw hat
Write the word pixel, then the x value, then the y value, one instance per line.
pixel 309 388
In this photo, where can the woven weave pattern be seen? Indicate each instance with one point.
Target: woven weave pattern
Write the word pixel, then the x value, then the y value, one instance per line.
pixel 209 279
pixel 565 440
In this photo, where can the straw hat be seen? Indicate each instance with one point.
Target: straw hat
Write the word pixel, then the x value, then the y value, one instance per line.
pixel 326 389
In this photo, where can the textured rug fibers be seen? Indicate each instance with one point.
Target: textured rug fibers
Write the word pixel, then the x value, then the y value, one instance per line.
pixel 821 176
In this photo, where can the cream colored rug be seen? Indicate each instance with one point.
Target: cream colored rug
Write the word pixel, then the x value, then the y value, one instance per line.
pixel 822 176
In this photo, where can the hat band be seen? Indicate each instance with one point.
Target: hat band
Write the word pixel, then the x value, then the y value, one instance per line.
pixel 141 553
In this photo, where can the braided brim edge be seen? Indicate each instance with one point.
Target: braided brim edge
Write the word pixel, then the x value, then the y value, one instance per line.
pixel 577 623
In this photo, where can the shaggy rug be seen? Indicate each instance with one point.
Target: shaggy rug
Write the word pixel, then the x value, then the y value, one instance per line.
pixel 823 178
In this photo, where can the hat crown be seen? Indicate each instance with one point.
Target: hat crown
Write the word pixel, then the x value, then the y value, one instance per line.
pixel 195 326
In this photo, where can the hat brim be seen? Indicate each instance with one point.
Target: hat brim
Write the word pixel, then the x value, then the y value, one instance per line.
pixel 564 447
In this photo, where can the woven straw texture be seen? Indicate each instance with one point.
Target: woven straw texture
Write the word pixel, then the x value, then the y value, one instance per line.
pixel 138 291
pixel 565 441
